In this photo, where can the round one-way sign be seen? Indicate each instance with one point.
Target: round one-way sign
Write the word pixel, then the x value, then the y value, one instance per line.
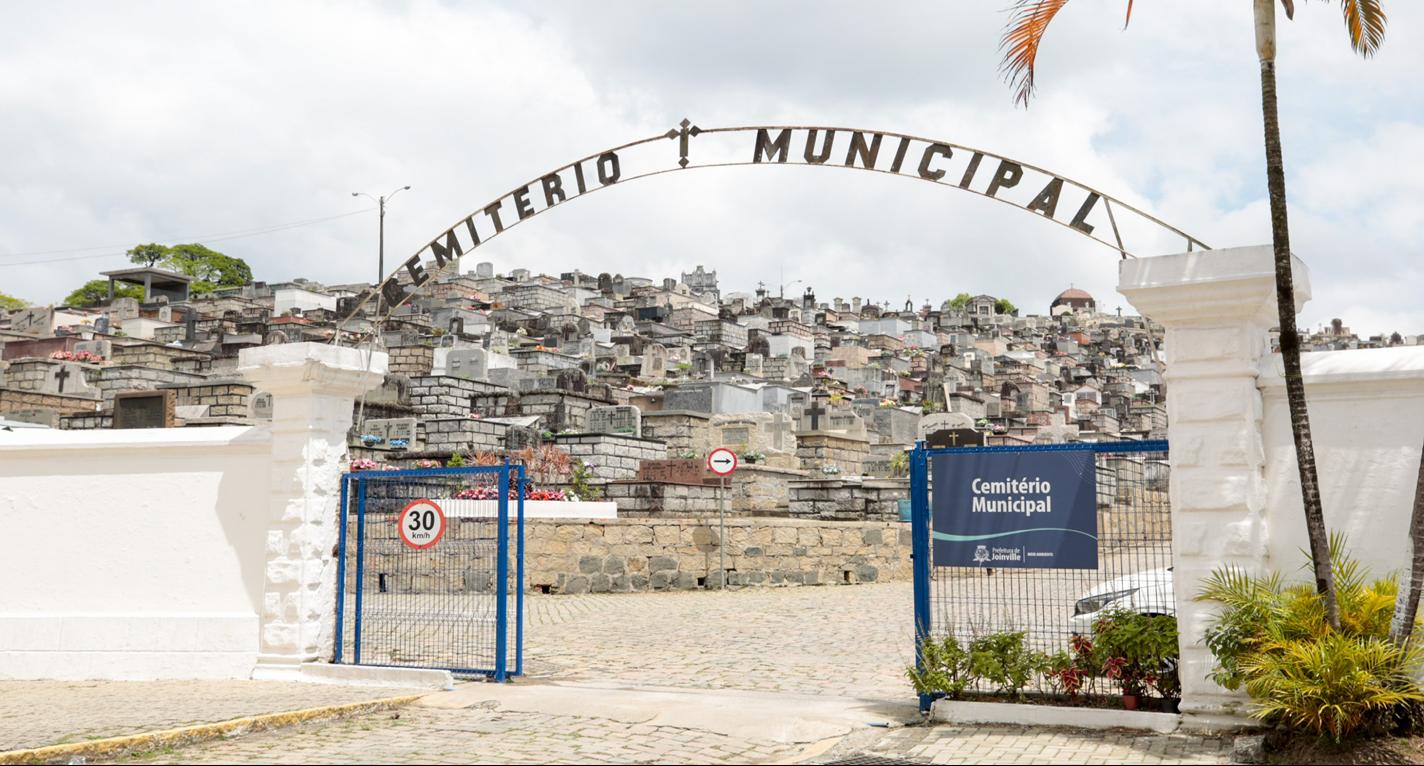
pixel 421 523
pixel 722 461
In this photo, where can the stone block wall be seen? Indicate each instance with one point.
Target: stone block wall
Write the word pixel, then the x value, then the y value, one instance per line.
pixel 447 395
pixel 30 374
pixel 224 400
pixel 848 498
pixel 87 421
pixel 14 399
pixel 560 410
pixel 117 378
pixel 630 555
pixel 612 456
pixel 640 499
pixel 819 450
pixel 682 430
pixel 463 435
pixel 412 361
pixel 150 355
pixel 762 489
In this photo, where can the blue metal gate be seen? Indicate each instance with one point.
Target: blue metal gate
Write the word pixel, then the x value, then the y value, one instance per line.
pixel 425 568
pixel 1134 541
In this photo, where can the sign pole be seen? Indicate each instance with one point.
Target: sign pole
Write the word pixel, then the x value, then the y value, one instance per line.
pixel 722 534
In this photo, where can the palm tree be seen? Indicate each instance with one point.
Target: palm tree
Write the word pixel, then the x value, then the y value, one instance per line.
pixel 1365 22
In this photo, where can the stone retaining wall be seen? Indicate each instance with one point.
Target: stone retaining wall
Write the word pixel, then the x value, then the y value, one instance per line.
pixel 682 430
pixel 447 395
pixel 462 434
pixel 762 489
pixel 13 400
pixel 639 499
pixel 627 555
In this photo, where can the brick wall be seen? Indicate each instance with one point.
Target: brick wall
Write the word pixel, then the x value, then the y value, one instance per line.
pixel 12 400
pixel 463 435
pixel 154 355
pixel 113 379
pixel 411 361
pixel 224 400
pixel 446 395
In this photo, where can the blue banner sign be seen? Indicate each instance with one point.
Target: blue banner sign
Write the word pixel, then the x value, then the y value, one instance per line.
pixel 1033 510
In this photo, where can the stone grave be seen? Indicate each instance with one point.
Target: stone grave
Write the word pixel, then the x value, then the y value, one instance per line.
pixel 467 363
pixel 145 409
pixel 392 433
pixel 102 348
pixel 674 471
pixel 655 359
pixel 124 308
pixel 949 429
pixel 67 378
pixel 35 322
pixel 626 419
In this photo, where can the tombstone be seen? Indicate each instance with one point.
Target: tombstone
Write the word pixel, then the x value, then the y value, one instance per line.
pixel 124 308
pixel 571 380
pixel 753 364
pixel 654 365
pixel 498 342
pixel 813 417
pixel 622 354
pixel 780 432
pixel 67 378
pixel 943 421
pixel 484 270
pixel 101 325
pixel 260 406
pixel 190 325
pixel 457 325
pixel 605 283
pixel 587 349
pixel 847 422
pixel 623 419
pixel 391 434
pixel 521 437
pixel 275 338
pixel 145 409
pixel 34 322
pixel 165 313
pixel 509 377
pixel 694 398
pixel 626 324
pixel 467 363
pixel 101 348
pixel 518 275
pixel 446 341
pixel 673 471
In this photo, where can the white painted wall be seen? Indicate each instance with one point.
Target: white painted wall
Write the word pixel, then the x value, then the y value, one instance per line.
pixel 1367 421
pixel 295 297
pixel 132 554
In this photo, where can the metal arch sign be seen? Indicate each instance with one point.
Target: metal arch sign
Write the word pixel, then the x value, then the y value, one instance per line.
pixel 1076 206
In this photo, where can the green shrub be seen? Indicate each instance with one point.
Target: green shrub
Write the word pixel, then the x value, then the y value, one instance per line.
pixel 1139 651
pixel 1272 639
pixel 456 461
pixel 945 668
pixel 1004 659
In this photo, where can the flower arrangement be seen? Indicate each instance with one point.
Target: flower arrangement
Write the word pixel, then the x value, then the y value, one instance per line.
pixel 491 492
pixel 427 464
pixel 830 470
pixel 77 356
pixel 363 464
pixel 752 457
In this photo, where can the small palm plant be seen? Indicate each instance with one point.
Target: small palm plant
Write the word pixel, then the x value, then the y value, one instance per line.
pixel 1275 640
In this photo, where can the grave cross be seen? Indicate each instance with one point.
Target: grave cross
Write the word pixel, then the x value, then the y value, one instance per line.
pixel 61 376
pixel 815 411
pixel 688 129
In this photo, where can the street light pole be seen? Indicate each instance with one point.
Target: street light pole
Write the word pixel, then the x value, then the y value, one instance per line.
pixel 381 247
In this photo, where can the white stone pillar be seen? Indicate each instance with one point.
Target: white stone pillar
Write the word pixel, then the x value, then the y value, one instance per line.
pixel 313 388
pixel 1217 307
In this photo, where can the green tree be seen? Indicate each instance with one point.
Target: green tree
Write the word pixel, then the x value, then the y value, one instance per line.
pixel 148 255
pixel 1005 306
pixel 96 291
pixel 1365 23
pixel 209 268
pixel 960 302
pixel 11 303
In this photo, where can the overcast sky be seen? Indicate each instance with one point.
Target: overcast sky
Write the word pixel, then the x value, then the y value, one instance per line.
pixel 131 122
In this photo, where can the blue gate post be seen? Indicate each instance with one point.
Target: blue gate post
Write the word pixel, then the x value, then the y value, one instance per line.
pixel 920 554
pixel 360 567
pixel 519 580
pixel 501 639
pixel 341 567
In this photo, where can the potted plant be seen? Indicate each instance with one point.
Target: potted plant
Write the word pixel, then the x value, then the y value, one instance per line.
pixel 1139 652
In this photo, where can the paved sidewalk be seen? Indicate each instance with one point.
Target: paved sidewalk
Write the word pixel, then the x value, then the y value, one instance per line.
pixel 952 744
pixel 40 713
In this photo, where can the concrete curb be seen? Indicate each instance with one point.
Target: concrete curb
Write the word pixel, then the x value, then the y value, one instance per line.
pixel 115 747
pixel 962 712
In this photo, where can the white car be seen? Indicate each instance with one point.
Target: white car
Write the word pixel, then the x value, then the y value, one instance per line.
pixel 1148 592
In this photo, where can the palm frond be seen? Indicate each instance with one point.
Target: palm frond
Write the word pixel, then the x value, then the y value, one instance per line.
pixel 1365 20
pixel 1028 21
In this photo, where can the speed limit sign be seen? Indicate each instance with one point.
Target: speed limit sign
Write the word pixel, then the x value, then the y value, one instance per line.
pixel 422 524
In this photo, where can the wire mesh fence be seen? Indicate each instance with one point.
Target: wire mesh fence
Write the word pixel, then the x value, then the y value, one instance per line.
pixel 430 569
pixel 1050 606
